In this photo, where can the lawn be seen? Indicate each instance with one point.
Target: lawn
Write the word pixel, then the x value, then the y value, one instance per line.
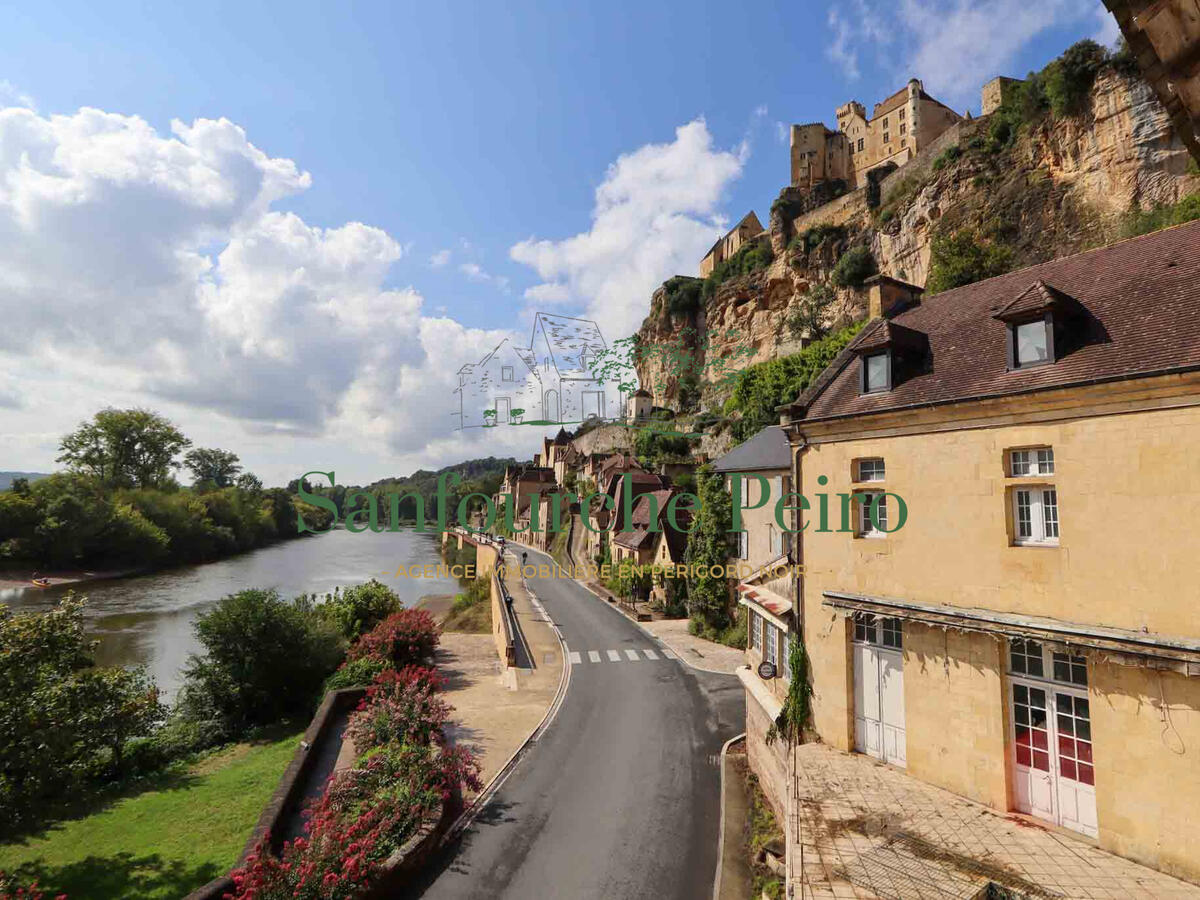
pixel 163 841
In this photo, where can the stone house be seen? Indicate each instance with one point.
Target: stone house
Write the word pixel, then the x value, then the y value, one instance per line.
pixel 998 592
pixel 608 518
pixel 727 245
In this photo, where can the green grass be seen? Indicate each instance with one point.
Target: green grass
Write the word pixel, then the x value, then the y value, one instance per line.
pixel 164 841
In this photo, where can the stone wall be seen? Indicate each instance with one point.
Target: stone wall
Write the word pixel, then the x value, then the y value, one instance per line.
pixel 768 761
pixel 851 207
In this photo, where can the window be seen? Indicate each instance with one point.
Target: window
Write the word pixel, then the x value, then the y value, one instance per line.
pixel 903 128
pixel 887 138
pixel 1035 461
pixel 885 121
pixel 893 634
pixel 770 643
pixel 776 540
pixel 1035 516
pixel 867 526
pixel 865 628
pixel 1031 344
pixel 869 629
pixel 876 373
pixel 506 373
pixel 901 119
pixel 870 470
pixel 1033 659
pixel 785 654
pixel 756 623
pixel 903 142
pixel 860 145
pixel 743 545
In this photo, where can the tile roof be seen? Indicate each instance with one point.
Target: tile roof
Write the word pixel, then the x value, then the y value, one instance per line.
pixel 766 450
pixel 1140 300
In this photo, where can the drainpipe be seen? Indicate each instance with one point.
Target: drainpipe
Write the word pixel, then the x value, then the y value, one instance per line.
pixel 793 801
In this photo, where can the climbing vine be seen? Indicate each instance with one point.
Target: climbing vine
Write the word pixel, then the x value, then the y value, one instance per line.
pixel 796 714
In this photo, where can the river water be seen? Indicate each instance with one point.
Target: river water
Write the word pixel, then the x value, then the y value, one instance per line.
pixel 148 618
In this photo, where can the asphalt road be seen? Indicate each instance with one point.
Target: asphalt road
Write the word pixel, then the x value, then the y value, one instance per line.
pixel 620 796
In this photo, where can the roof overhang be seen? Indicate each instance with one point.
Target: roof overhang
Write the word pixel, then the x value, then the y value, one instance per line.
pixel 766 603
pixel 1120 644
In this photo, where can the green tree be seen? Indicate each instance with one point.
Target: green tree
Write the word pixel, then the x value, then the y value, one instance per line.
pixel 358 609
pixel 211 466
pixel 708 545
pixel 265 659
pixel 1068 80
pixel 963 257
pixel 124 448
pixel 854 267
pixel 807 320
pixel 62 721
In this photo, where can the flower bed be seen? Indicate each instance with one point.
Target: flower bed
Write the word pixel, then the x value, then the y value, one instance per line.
pixel 405 775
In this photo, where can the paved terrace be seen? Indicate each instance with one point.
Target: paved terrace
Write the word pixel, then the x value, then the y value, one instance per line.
pixel 870 831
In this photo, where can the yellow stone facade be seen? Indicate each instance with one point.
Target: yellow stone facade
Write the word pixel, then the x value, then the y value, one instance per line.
pixel 1126 480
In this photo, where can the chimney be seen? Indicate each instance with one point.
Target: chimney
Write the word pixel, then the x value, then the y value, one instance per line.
pixel 887 296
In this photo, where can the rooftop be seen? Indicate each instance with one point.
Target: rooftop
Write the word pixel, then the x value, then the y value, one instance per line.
pixel 1138 304
pixel 765 451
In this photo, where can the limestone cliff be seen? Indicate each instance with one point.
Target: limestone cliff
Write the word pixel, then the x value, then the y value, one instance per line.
pixel 1065 184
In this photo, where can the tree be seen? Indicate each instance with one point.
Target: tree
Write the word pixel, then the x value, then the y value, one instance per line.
pixel 808 319
pixel 62 720
pixel 212 466
pixel 854 267
pixel 358 609
pixel 265 659
pixel 708 546
pixel 124 448
pixel 249 482
pixel 963 258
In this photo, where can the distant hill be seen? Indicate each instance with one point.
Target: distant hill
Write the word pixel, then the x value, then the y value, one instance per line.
pixel 6 478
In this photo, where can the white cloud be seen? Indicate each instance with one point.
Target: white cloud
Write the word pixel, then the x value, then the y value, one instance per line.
pixel 477 273
pixel 550 292
pixel 440 259
pixel 655 215
pixel 146 269
pixel 782 132
pixel 10 95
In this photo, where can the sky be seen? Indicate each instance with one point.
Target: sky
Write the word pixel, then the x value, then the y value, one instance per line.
pixel 286 226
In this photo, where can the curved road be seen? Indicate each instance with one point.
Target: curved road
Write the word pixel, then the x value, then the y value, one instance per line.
pixel 620 796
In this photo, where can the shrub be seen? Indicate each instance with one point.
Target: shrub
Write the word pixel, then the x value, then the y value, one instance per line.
pixel 811 238
pixel 761 388
pixel 404 638
pixel 11 889
pixel 358 609
pixel 750 257
pixel 808 318
pixel 400 706
pixel 708 546
pixel 963 258
pixel 1068 80
pixel 855 266
pixel 265 660
pixel 355 673
pixel 62 720
pixel 1158 217
pixel 683 294
pixel 947 156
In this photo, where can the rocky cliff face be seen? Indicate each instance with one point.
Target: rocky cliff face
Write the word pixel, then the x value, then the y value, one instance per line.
pixel 1061 187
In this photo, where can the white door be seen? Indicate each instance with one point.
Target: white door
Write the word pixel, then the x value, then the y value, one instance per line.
pixel 502 407
pixel 1052 755
pixel 878 698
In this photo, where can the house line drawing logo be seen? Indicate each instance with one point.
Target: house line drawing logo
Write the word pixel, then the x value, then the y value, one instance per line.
pixel 550 382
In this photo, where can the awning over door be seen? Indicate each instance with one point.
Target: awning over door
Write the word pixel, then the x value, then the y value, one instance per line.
pixel 1122 645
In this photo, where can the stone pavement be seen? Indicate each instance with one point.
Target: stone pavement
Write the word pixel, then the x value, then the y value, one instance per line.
pixel 696 651
pixel 870 831
pixel 494 716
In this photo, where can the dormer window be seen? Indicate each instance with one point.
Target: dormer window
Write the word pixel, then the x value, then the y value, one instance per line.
pixel 1033 343
pixel 877 373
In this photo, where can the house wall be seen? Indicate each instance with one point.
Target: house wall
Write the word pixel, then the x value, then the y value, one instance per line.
pixel 758 523
pixel 768 761
pixel 1122 469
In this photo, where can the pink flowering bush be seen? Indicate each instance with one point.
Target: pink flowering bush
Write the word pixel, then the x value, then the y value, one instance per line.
pixel 11 890
pixel 404 774
pixel 404 638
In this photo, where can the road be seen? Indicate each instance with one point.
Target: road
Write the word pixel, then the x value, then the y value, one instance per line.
pixel 620 796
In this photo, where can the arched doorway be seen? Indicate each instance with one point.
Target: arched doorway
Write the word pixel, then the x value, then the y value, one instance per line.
pixel 550 410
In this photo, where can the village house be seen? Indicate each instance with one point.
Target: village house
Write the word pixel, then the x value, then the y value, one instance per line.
pixel 520 484
pixel 608 517
pixel 899 128
pixel 652 539
pixel 998 591
pixel 748 228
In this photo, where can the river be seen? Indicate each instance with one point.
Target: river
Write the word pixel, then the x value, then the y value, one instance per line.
pixel 147 619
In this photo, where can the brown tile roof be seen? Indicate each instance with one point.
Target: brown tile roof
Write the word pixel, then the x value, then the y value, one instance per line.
pixel 1141 303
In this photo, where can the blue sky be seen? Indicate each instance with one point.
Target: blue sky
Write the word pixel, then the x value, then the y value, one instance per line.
pixel 472 139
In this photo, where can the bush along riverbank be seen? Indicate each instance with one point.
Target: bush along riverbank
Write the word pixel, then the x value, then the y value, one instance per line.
pixel 75 739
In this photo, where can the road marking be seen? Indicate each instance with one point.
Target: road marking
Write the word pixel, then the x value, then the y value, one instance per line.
pixel 593 656
pixel 614 656
pixel 650 654
pixel 632 654
pixel 667 654
pixel 575 657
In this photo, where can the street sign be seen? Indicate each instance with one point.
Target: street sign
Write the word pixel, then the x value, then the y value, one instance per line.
pixel 766 670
